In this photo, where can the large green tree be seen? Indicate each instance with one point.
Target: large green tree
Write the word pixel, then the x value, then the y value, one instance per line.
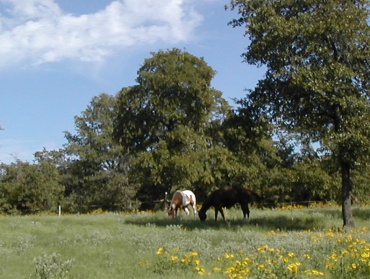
pixel 96 175
pixel 317 80
pixel 169 122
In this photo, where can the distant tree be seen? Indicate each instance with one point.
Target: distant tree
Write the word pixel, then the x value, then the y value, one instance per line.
pixel 167 123
pixel 28 188
pixel 248 136
pixel 97 171
pixel 58 158
pixel 317 80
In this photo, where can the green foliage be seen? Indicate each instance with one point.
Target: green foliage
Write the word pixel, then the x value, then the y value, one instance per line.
pixel 27 188
pixel 312 182
pixel 317 76
pixel 168 123
pixel 96 176
pixel 50 266
pixel 317 79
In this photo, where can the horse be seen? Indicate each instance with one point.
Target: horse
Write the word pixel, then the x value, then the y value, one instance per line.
pixel 181 200
pixel 227 198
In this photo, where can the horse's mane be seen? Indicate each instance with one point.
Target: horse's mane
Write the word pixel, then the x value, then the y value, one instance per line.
pixel 207 204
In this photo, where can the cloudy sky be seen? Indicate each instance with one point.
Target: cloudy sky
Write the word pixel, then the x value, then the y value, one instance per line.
pixel 56 55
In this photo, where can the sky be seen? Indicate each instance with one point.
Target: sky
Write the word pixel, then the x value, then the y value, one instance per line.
pixel 56 55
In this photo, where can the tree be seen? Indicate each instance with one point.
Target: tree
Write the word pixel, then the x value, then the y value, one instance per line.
pixel 29 188
pixel 97 169
pixel 317 80
pixel 166 124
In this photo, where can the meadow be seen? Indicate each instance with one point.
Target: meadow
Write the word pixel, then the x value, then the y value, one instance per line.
pixel 278 243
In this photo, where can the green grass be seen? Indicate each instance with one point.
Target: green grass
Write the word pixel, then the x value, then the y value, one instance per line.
pixel 274 244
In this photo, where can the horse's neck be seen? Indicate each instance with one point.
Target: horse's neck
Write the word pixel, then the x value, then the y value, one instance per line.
pixel 206 205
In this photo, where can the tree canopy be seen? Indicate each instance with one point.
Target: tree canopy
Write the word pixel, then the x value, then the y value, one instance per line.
pixel 167 121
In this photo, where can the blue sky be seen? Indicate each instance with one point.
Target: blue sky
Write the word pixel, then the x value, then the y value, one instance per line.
pixel 56 55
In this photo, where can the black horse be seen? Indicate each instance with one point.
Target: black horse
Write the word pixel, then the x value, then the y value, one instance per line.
pixel 227 198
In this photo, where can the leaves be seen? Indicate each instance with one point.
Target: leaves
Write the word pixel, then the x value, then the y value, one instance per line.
pixel 98 165
pixel 168 120
pixel 317 58
pixel 317 81
pixel 30 188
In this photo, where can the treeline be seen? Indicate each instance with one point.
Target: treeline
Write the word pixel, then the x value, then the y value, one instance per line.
pixel 172 130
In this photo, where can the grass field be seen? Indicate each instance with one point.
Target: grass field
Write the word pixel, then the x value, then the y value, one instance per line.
pixel 298 243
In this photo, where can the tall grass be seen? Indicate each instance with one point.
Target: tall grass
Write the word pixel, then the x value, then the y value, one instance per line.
pixel 298 243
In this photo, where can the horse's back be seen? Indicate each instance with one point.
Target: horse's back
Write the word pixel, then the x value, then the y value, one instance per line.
pixel 247 195
pixel 190 195
pixel 176 196
pixel 221 198
pixel 230 197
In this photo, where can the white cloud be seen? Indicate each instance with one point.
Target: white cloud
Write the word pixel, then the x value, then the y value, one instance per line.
pixel 38 31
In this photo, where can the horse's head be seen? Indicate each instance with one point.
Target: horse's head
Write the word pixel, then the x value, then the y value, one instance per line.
pixel 171 211
pixel 202 215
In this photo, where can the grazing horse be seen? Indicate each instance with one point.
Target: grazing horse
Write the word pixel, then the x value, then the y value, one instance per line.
pixel 182 200
pixel 227 198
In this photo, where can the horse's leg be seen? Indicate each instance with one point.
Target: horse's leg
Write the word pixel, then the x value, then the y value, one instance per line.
pixel 222 214
pixel 219 209
pixel 186 209
pixel 245 209
pixel 194 210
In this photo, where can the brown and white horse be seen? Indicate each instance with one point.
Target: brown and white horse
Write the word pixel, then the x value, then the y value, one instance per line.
pixel 181 200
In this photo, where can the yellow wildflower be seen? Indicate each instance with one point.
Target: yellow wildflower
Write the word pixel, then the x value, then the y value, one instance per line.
pixel 314 272
pixel 365 255
pixel 217 269
pixel 317 273
pixel 294 267
pixel 200 270
pixel 229 256
pixel 262 248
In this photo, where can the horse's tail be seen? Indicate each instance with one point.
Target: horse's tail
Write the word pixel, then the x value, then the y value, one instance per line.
pixel 253 196
pixel 256 197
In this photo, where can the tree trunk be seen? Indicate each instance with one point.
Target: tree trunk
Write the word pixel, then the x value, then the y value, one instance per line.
pixel 348 220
